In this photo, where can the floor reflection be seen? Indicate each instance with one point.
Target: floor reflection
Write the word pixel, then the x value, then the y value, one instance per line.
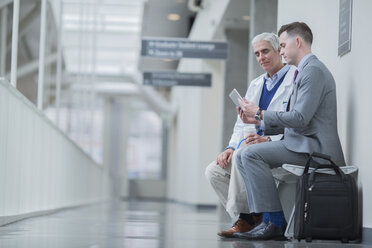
pixel 136 224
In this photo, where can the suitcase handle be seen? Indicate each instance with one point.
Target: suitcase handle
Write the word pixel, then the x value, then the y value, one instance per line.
pixel 329 166
pixel 337 170
pixel 318 155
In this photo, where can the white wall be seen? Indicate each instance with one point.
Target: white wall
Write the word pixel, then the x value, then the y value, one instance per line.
pixel 40 168
pixel 351 75
pixel 196 139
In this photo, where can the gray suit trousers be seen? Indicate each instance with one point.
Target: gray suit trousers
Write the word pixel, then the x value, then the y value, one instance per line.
pixel 255 163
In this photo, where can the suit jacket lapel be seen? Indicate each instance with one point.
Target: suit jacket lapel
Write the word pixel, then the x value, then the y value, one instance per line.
pixel 257 96
pixel 293 97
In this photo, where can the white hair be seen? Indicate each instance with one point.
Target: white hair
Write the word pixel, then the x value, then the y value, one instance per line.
pixel 269 37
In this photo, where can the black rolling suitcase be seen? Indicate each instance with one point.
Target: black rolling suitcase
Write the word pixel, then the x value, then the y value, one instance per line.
pixel 326 205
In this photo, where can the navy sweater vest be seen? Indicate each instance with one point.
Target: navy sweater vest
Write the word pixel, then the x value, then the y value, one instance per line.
pixel 267 95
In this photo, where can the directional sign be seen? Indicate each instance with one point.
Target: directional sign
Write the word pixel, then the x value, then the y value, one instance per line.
pixel 183 48
pixel 344 27
pixel 169 79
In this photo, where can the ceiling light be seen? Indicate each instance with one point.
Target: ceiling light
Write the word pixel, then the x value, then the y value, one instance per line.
pixel 174 17
pixel 246 18
pixel 120 19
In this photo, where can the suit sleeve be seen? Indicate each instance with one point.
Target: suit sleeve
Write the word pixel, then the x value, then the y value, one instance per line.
pixel 310 92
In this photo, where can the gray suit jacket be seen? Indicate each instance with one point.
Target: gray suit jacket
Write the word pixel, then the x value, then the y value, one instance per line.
pixel 310 125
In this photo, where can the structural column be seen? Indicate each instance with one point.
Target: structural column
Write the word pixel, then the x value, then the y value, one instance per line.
pixel 4 31
pixel 59 61
pixel 235 77
pixel 40 88
pixel 13 69
pixel 116 131
pixel 263 19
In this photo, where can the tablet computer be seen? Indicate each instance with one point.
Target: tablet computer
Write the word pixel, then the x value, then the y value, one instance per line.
pixel 234 95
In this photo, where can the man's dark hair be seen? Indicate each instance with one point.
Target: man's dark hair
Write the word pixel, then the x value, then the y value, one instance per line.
pixel 298 28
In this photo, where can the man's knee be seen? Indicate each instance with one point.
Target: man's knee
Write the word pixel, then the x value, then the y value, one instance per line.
pixel 238 159
pixel 213 171
pixel 210 171
pixel 251 152
pixel 246 154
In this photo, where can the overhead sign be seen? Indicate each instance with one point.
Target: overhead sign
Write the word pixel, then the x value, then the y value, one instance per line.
pixel 183 48
pixel 169 79
pixel 344 29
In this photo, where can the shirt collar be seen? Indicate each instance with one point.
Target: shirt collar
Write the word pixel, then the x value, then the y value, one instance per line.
pixel 279 74
pixel 302 62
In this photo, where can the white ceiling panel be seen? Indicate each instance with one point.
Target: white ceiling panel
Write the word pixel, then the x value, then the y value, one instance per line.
pixel 102 36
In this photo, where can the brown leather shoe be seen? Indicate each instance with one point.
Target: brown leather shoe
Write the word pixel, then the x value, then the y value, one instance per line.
pixel 240 226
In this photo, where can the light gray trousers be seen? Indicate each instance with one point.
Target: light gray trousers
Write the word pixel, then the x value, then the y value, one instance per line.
pixel 255 163
pixel 229 187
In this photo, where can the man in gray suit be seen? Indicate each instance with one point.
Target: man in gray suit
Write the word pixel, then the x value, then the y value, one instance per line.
pixel 309 125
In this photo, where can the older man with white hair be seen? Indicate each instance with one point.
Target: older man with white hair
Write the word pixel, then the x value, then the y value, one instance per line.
pixel 270 91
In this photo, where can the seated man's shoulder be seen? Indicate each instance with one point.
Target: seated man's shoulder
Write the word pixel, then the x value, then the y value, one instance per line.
pixel 257 80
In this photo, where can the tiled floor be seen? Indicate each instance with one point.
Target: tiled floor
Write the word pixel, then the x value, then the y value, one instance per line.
pixel 134 224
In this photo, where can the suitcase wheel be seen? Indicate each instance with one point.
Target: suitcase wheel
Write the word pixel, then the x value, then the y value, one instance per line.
pixel 309 239
pixel 344 240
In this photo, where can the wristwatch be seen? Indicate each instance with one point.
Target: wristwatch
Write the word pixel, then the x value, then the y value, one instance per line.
pixel 230 147
pixel 257 115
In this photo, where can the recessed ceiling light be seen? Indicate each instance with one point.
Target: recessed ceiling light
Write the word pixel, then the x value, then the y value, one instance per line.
pixel 246 18
pixel 174 17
